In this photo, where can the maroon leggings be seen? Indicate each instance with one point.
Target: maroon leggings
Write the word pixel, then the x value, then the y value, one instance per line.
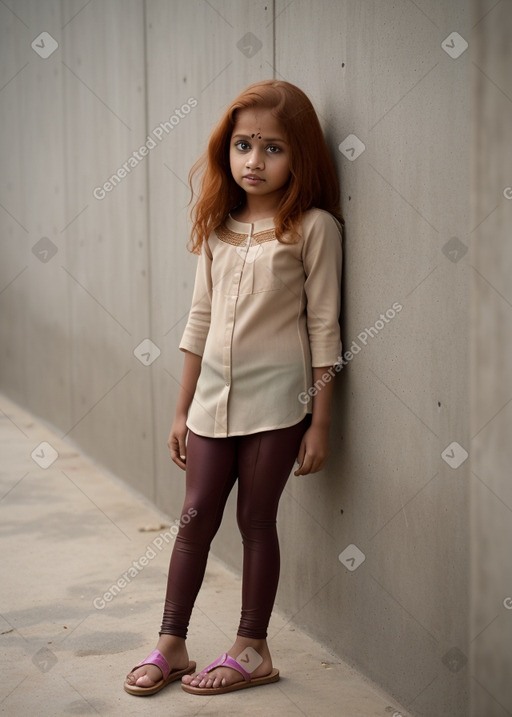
pixel 262 462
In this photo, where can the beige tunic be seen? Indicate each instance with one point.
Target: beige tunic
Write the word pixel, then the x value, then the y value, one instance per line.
pixel 263 314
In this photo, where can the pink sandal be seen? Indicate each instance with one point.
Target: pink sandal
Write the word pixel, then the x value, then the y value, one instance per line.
pixel 229 661
pixel 168 675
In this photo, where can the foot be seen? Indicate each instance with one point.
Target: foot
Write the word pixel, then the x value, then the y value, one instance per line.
pixel 173 649
pixel 224 676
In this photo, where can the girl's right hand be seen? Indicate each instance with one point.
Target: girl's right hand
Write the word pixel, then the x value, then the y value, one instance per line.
pixel 177 442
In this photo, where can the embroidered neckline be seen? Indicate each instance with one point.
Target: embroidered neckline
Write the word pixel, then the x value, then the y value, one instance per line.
pixel 237 239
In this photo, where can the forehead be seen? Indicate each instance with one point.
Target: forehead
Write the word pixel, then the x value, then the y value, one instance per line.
pixel 254 119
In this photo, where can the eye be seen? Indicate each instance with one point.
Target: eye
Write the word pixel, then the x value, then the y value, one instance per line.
pixel 273 149
pixel 242 145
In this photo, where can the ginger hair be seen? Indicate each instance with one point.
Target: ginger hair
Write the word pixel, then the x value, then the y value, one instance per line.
pixel 313 181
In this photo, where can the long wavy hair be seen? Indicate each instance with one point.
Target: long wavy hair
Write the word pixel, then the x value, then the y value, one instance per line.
pixel 313 181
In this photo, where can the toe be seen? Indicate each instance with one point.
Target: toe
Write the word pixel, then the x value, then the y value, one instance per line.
pixel 131 677
pixel 145 681
pixel 144 676
pixel 217 678
pixel 193 680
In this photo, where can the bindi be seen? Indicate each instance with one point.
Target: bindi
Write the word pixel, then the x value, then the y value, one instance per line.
pixel 256 134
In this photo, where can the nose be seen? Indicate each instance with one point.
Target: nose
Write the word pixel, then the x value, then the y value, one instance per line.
pixel 255 158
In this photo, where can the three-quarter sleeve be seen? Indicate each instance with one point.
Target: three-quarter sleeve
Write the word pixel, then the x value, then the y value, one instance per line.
pixel 199 318
pixel 322 260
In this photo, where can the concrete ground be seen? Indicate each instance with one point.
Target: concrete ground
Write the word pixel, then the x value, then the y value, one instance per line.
pixel 69 531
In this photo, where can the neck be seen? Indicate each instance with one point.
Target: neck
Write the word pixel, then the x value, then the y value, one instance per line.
pixel 255 207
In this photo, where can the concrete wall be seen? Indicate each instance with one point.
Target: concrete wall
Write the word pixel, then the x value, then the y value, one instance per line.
pixel 84 280
pixel 490 257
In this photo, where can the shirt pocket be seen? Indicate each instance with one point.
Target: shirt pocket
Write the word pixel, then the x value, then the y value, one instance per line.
pixel 260 271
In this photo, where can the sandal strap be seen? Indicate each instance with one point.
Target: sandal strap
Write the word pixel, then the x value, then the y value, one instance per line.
pixel 228 661
pixel 156 658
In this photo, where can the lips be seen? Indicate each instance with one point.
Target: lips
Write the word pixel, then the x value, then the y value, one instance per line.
pixel 253 177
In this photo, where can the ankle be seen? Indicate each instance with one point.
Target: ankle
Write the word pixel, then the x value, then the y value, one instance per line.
pixel 251 640
pixel 170 643
pixel 260 645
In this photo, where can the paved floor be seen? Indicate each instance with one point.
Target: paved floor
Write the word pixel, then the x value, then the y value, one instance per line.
pixel 69 531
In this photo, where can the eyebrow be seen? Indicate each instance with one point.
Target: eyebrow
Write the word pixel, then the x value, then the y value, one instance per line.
pixel 265 139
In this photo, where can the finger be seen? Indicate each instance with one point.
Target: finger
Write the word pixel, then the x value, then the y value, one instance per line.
pixel 175 454
pixel 180 463
pixel 304 470
pixel 314 467
pixel 312 463
pixel 176 459
pixel 318 463
pixel 305 465
pixel 300 459
pixel 182 448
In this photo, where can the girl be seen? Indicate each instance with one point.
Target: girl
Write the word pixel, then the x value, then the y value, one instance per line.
pixel 262 329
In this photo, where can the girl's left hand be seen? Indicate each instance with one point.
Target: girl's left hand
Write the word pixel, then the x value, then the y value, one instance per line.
pixel 313 451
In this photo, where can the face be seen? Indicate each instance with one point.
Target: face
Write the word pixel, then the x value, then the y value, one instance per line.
pixel 259 154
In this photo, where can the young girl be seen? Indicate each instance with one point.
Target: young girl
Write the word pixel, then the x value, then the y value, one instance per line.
pixel 263 328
